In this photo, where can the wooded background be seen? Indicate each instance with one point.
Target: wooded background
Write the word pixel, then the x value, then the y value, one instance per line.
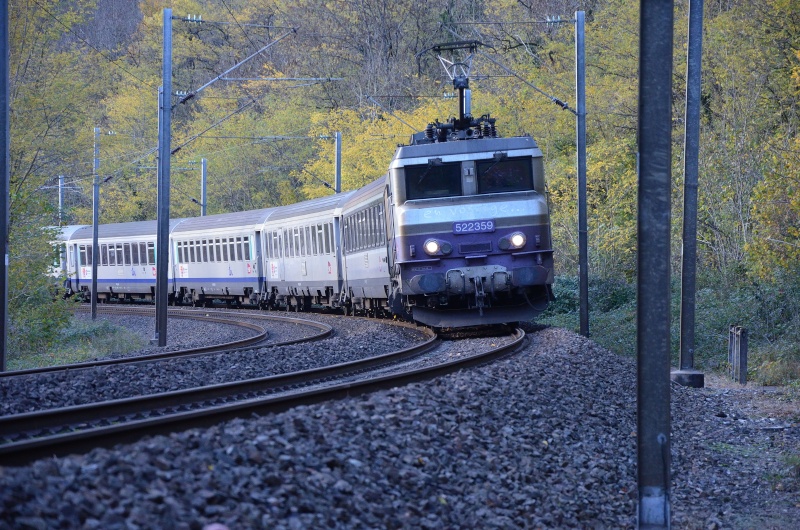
pixel 82 64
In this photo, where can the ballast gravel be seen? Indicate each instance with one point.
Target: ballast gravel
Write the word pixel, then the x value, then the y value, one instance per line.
pixel 542 439
pixel 360 338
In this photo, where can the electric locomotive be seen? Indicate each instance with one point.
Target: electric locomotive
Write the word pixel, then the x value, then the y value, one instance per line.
pixel 469 224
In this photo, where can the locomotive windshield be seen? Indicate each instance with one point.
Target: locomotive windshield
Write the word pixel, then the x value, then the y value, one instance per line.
pixel 431 181
pixel 494 175
pixel 508 174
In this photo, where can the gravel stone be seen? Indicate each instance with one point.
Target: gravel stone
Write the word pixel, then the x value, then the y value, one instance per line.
pixel 542 439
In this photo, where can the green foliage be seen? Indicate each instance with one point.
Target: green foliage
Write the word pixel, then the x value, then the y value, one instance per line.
pixel 36 313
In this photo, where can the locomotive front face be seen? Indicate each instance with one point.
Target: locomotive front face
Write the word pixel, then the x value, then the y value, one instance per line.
pixel 472 233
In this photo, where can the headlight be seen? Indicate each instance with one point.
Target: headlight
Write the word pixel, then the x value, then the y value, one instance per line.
pixel 512 241
pixel 434 247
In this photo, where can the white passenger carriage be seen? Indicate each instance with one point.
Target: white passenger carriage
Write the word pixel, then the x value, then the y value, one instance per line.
pixel 365 249
pixel 303 258
pixel 219 257
pixel 61 272
pixel 126 269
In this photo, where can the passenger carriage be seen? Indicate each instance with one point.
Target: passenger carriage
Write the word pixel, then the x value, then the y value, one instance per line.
pixel 126 269
pixel 303 264
pixel 365 249
pixel 219 257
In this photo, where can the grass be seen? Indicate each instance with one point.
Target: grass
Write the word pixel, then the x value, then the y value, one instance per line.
pixel 82 340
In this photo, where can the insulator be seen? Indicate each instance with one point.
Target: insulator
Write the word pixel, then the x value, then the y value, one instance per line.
pixel 494 131
pixel 429 131
pixel 487 130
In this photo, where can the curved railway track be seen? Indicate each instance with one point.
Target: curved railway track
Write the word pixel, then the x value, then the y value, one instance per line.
pixel 57 432
pixel 260 339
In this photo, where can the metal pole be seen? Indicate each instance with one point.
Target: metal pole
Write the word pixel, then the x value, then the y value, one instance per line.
pixel 337 188
pixel 162 238
pixel 95 219
pixel 60 200
pixel 5 181
pixel 687 375
pixel 203 196
pixel 653 306
pixel 580 98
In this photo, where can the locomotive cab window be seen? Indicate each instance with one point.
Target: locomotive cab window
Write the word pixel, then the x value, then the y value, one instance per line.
pixel 433 180
pixel 503 175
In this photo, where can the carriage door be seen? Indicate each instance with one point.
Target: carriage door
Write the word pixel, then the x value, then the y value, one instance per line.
pixel 274 272
pixel 388 209
pixel 73 267
pixel 258 244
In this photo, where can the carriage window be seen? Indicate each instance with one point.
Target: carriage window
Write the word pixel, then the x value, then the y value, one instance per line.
pixel 327 237
pixel 151 253
pixel 272 245
pixel 359 230
pixel 218 253
pixel 239 254
pixel 120 260
pixel 126 253
pixel 373 226
pixel 112 257
pixel 134 253
pixel 433 180
pixel 231 250
pixel 191 252
pixel 205 250
pixel 505 174
pixel 224 249
pixel 246 249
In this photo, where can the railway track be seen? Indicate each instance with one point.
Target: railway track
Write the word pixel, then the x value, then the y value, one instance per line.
pixel 259 339
pixel 57 432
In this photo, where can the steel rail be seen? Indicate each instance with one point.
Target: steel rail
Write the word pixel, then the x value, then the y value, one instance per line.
pixel 124 420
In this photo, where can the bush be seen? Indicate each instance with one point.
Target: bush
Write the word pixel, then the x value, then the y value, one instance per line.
pixel 79 340
pixel 769 311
